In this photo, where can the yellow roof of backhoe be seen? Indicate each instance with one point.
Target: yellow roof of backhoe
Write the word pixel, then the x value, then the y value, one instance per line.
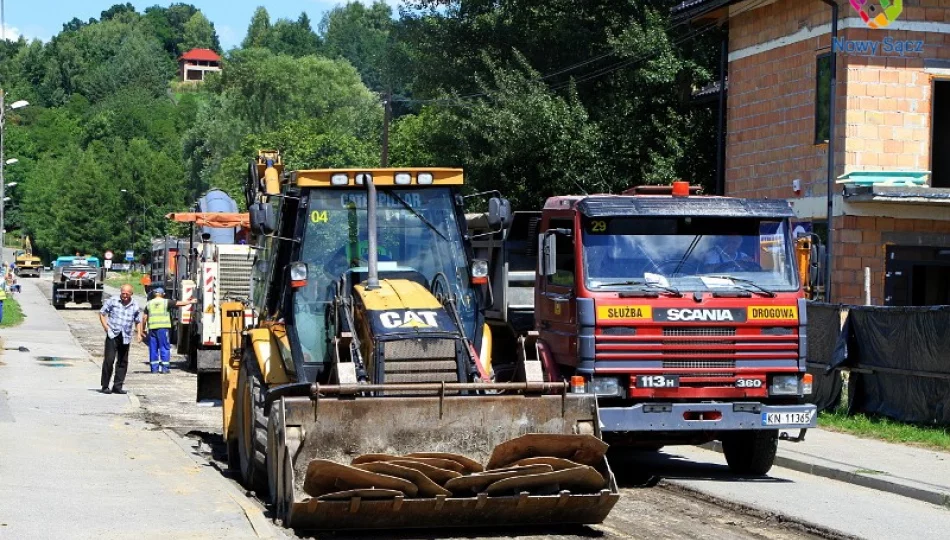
pixel 327 178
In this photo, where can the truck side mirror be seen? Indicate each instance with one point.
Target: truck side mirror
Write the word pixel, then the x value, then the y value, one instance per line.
pixel 263 220
pixel 548 253
pixel 499 212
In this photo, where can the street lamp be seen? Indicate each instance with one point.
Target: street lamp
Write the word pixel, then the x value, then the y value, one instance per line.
pixel 3 115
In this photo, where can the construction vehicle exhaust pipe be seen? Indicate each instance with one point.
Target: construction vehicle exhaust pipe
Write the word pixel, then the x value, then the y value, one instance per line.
pixel 372 279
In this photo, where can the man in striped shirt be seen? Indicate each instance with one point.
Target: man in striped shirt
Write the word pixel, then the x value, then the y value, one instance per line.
pixel 121 318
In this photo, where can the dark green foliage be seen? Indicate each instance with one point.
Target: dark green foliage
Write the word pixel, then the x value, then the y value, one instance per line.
pixel 531 98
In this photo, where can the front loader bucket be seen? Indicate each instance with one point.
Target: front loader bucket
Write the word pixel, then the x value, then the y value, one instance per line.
pixel 340 428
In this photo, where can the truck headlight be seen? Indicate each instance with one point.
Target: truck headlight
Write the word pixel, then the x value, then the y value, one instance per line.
pixel 784 385
pixel 606 386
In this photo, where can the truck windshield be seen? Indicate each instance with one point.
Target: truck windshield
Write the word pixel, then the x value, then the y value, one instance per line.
pixel 418 238
pixel 688 253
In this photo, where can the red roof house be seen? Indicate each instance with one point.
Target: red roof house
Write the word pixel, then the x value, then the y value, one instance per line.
pixel 194 64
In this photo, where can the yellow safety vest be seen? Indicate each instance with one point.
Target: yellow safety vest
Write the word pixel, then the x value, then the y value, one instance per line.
pixel 158 316
pixel 3 295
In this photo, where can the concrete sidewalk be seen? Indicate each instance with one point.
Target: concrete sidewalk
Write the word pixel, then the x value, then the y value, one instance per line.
pixel 900 469
pixel 75 463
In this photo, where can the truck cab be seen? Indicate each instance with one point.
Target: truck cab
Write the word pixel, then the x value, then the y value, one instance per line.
pixel 683 313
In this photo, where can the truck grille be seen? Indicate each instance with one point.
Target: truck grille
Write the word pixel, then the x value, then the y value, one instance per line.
pixel 420 361
pixel 695 352
pixel 234 275
pixel 699 364
pixel 699 331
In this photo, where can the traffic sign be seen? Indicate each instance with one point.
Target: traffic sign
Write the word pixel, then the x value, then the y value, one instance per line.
pixel 130 255
pixel 109 255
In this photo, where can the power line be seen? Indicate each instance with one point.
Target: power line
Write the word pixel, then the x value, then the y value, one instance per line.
pixel 698 31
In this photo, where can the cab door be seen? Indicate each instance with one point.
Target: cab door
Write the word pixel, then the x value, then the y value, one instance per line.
pixel 555 303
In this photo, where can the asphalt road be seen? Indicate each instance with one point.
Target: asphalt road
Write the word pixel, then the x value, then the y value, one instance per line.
pixel 697 497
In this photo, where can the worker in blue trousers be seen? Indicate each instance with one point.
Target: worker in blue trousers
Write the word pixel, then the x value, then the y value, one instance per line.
pixel 158 320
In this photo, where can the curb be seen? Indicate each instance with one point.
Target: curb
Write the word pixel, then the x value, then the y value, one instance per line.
pixel 878 482
pixel 261 525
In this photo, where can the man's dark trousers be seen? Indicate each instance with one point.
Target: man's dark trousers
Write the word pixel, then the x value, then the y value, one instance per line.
pixel 117 352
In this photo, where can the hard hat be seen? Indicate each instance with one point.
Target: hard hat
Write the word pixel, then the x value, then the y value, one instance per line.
pixel 158 290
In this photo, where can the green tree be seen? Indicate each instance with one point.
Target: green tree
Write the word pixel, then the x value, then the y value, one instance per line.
pixel 295 38
pixel 198 34
pixel 258 32
pixel 361 35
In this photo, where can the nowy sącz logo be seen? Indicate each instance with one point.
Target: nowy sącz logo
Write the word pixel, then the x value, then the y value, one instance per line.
pixel 878 13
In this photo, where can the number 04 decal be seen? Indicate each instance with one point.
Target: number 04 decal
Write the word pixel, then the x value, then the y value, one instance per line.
pixel 319 216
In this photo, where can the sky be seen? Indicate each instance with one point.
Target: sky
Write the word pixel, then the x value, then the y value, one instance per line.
pixel 42 19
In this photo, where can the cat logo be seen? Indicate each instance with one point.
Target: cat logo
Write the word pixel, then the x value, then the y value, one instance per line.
pixel 409 319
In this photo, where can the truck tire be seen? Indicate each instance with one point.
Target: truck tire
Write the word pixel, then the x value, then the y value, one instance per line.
pixel 750 452
pixel 252 428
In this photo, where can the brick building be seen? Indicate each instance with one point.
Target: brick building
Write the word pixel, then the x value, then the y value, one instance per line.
pixel 892 114
pixel 196 63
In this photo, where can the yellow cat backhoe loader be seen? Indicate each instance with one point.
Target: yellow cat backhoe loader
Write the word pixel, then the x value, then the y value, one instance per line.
pixel 363 396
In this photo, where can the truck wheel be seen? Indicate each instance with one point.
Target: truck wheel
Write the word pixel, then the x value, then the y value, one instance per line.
pixel 750 452
pixel 252 428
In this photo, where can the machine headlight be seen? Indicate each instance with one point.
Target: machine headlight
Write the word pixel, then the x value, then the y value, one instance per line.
pixel 403 179
pixel 606 386
pixel 784 385
pixel 362 177
pixel 339 179
pixel 807 384
pixel 424 178
pixel 298 271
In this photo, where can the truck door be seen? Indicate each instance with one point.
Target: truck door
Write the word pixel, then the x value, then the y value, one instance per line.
pixel 556 305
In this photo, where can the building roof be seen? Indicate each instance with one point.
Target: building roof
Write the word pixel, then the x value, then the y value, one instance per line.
pixel 691 9
pixel 201 54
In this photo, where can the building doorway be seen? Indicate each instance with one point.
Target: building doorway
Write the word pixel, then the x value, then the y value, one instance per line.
pixel 916 276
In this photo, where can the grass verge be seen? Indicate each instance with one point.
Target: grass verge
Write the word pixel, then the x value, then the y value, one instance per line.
pixel 885 429
pixel 133 279
pixel 12 315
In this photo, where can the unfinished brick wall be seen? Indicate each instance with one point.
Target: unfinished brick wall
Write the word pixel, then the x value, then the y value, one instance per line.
pixel 858 244
pixel 883 103
pixel 771 106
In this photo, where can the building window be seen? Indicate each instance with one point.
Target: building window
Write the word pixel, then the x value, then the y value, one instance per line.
pixel 940 135
pixel 822 89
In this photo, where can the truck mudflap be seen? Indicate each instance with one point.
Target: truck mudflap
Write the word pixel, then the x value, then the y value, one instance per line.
pixel 707 417
pixel 340 428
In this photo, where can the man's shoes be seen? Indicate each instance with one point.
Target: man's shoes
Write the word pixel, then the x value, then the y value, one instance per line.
pixel 105 390
pixel 155 369
pixel 165 370
pixel 119 391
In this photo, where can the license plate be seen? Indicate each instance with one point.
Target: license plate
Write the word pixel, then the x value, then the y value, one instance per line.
pixel 787 418
pixel 658 381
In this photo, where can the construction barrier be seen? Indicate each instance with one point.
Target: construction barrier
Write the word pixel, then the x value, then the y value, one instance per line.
pixel 898 360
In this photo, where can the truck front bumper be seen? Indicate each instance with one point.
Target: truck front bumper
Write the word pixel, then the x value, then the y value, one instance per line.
pixel 707 417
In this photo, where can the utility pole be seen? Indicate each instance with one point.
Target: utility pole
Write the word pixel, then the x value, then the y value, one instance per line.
pixel 3 205
pixel 387 116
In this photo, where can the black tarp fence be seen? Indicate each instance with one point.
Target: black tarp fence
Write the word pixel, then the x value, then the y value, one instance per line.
pixel 898 359
pixel 824 327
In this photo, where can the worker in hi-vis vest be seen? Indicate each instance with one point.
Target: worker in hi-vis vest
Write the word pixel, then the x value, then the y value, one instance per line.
pixel 158 320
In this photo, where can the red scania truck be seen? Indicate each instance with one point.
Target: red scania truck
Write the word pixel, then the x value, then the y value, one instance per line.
pixel 684 314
